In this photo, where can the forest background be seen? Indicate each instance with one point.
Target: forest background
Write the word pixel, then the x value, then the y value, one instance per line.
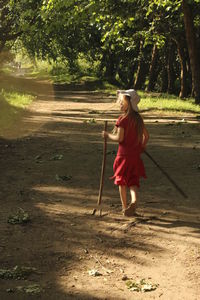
pixel 146 45
pixel 61 62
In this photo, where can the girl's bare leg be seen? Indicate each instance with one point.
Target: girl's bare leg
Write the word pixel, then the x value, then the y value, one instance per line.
pixel 133 192
pixel 123 196
pixel 130 211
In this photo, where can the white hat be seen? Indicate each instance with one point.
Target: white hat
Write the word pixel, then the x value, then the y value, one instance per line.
pixel 134 97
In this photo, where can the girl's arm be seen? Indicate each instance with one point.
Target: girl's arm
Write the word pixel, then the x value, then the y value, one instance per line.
pixel 118 137
pixel 145 138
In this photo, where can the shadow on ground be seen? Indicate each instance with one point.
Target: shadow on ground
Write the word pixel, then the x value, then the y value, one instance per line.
pixel 53 174
pixel 63 235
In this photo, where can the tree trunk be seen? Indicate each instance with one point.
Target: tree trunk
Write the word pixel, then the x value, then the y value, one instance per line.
pixel 123 76
pixel 2 44
pixel 107 66
pixel 141 70
pixel 183 76
pixel 130 77
pixel 170 69
pixel 192 49
pixel 110 67
pixel 140 75
pixel 152 69
pixel 164 79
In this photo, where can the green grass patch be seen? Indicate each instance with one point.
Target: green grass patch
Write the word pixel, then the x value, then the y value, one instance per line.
pixel 167 103
pixel 6 70
pixel 12 105
pixel 164 103
pixel 17 99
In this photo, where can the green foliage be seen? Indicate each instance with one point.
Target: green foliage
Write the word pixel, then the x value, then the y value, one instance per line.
pixel 18 19
pixel 102 38
pixel 21 217
pixel 141 286
pixel 6 56
pixel 16 273
pixel 32 289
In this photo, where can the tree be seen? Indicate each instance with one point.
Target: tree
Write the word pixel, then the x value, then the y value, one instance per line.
pixel 182 53
pixel 18 19
pixel 142 68
pixel 9 29
pixel 192 47
pixel 132 40
pixel 153 73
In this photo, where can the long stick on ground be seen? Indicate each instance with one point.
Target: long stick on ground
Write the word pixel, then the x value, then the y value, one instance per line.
pixel 167 175
pixel 102 170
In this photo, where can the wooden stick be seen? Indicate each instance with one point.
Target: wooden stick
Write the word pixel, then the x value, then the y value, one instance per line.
pixel 167 175
pixel 102 170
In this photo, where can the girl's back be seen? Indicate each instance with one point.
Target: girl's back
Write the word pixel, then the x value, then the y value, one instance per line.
pixel 131 144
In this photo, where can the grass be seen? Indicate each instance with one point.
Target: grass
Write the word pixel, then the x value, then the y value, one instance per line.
pixel 12 105
pixel 17 99
pixel 164 103
pixel 59 74
pixel 167 103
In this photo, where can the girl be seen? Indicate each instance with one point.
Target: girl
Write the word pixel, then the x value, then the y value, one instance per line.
pixel 132 137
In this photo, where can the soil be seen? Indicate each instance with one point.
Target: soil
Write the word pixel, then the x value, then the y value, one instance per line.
pixel 50 168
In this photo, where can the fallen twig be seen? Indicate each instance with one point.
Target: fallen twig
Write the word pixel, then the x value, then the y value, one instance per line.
pixel 139 220
pixel 102 266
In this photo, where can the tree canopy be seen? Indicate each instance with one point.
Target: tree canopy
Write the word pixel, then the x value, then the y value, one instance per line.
pixel 143 44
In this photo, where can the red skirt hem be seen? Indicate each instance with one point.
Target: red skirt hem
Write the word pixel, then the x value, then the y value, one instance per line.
pixel 128 171
pixel 122 181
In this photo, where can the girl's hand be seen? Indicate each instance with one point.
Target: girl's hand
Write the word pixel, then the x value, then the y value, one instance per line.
pixel 104 134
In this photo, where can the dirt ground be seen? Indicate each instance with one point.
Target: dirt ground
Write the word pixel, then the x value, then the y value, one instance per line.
pixel 50 164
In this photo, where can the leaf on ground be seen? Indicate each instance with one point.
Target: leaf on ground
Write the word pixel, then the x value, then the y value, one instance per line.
pixel 10 290
pixel 141 286
pixel 16 273
pixel 63 177
pixel 21 217
pixel 57 157
pixel 183 121
pixel 124 277
pixel 93 112
pixel 133 286
pixel 38 157
pixel 30 289
pixel 91 121
pixel 94 273
pixel 148 287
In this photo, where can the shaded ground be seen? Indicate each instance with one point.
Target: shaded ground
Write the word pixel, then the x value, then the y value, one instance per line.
pixel 64 241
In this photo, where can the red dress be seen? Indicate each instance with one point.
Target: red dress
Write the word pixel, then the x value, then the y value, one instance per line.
pixel 128 166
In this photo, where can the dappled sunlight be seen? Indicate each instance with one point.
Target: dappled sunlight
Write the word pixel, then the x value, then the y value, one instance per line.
pixel 70 204
pixel 53 174
pixel 65 199
pixel 164 141
pixel 68 208
pixel 174 229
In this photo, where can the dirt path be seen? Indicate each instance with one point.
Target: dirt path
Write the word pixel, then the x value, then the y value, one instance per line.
pixel 50 167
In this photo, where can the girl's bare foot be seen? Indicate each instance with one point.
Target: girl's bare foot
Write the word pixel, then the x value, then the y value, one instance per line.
pixel 130 211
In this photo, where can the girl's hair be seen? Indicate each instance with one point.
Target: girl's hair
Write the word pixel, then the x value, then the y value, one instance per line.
pixel 135 120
